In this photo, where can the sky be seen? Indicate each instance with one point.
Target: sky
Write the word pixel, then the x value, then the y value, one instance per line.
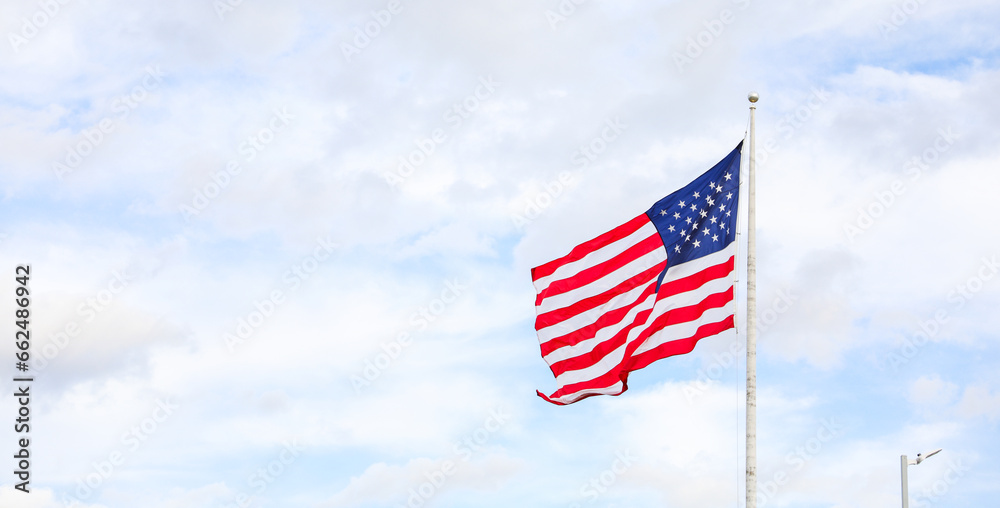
pixel 280 252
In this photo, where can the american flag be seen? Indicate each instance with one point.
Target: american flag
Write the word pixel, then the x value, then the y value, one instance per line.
pixel 648 289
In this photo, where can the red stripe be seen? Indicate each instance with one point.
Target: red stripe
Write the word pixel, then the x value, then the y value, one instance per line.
pixel 546 397
pixel 633 363
pixel 550 318
pixel 587 247
pixel 618 373
pixel 680 346
pixel 696 280
pixel 674 316
pixel 600 350
pixel 684 315
pixel 595 272
pixel 607 319
pixel 691 312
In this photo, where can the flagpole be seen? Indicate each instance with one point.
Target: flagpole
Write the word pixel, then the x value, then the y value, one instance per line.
pixel 751 318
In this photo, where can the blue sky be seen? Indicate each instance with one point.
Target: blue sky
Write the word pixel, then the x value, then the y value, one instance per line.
pixel 332 328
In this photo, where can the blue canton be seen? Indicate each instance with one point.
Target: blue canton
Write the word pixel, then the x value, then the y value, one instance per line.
pixel 700 218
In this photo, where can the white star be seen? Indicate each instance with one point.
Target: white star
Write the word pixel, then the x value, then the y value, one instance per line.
pixel 694 227
pixel 712 185
pixel 683 232
pixel 694 208
pixel 696 195
pixel 697 244
pixel 728 176
pixel 715 238
pixel 710 201
pixel 689 220
pixel 677 248
pixel 688 238
pixel 718 188
pixel 729 196
pixel 677 215
pixel 683 204
pixel 703 213
pixel 670 228
pixel 705 231
pixel 663 212
pixel 727 214
pixel 712 219
pixel 722 208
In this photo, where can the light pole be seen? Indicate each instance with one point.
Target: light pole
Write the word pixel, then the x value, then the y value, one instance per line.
pixel 903 462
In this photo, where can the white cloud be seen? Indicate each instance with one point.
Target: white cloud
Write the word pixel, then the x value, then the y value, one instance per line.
pixel 932 393
pixel 884 101
pixel 423 479
pixel 980 400
pixel 36 498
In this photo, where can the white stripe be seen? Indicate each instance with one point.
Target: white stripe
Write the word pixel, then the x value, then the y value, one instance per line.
pixel 671 332
pixel 605 364
pixel 614 389
pixel 696 265
pixel 686 299
pixel 678 330
pixel 695 296
pixel 609 281
pixel 602 334
pixel 683 330
pixel 597 256
pixel 574 323
pixel 602 367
